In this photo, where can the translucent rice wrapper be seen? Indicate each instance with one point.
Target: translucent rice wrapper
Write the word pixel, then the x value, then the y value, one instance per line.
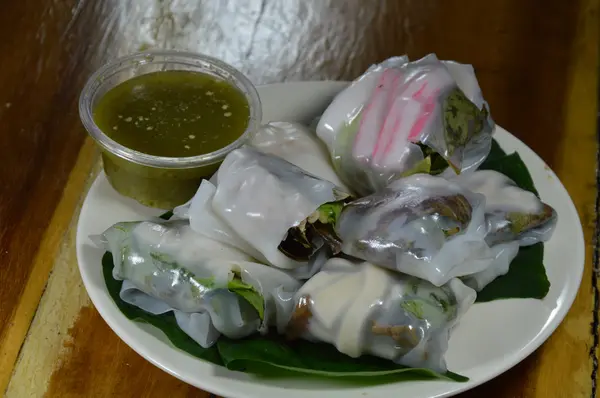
pixel 504 254
pixel 364 309
pixel 203 220
pixel 259 198
pixel 298 145
pixel 211 288
pixel 421 225
pixel 402 117
pixel 262 196
pixel 512 213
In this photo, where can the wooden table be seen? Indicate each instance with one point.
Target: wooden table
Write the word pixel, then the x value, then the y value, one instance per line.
pixel 536 61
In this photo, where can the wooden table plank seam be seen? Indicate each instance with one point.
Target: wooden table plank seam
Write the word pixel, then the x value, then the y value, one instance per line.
pixel 26 336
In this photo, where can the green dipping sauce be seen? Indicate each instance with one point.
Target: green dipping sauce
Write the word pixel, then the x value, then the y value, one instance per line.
pixel 172 114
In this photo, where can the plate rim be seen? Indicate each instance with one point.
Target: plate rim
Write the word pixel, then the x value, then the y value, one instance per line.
pixel 219 386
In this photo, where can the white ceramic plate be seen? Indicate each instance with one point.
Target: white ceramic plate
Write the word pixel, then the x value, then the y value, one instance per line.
pixel 491 338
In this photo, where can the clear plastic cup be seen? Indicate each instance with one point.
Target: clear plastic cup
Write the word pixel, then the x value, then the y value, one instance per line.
pixel 159 181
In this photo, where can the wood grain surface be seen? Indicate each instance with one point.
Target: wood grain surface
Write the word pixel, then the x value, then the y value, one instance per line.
pixel 537 63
